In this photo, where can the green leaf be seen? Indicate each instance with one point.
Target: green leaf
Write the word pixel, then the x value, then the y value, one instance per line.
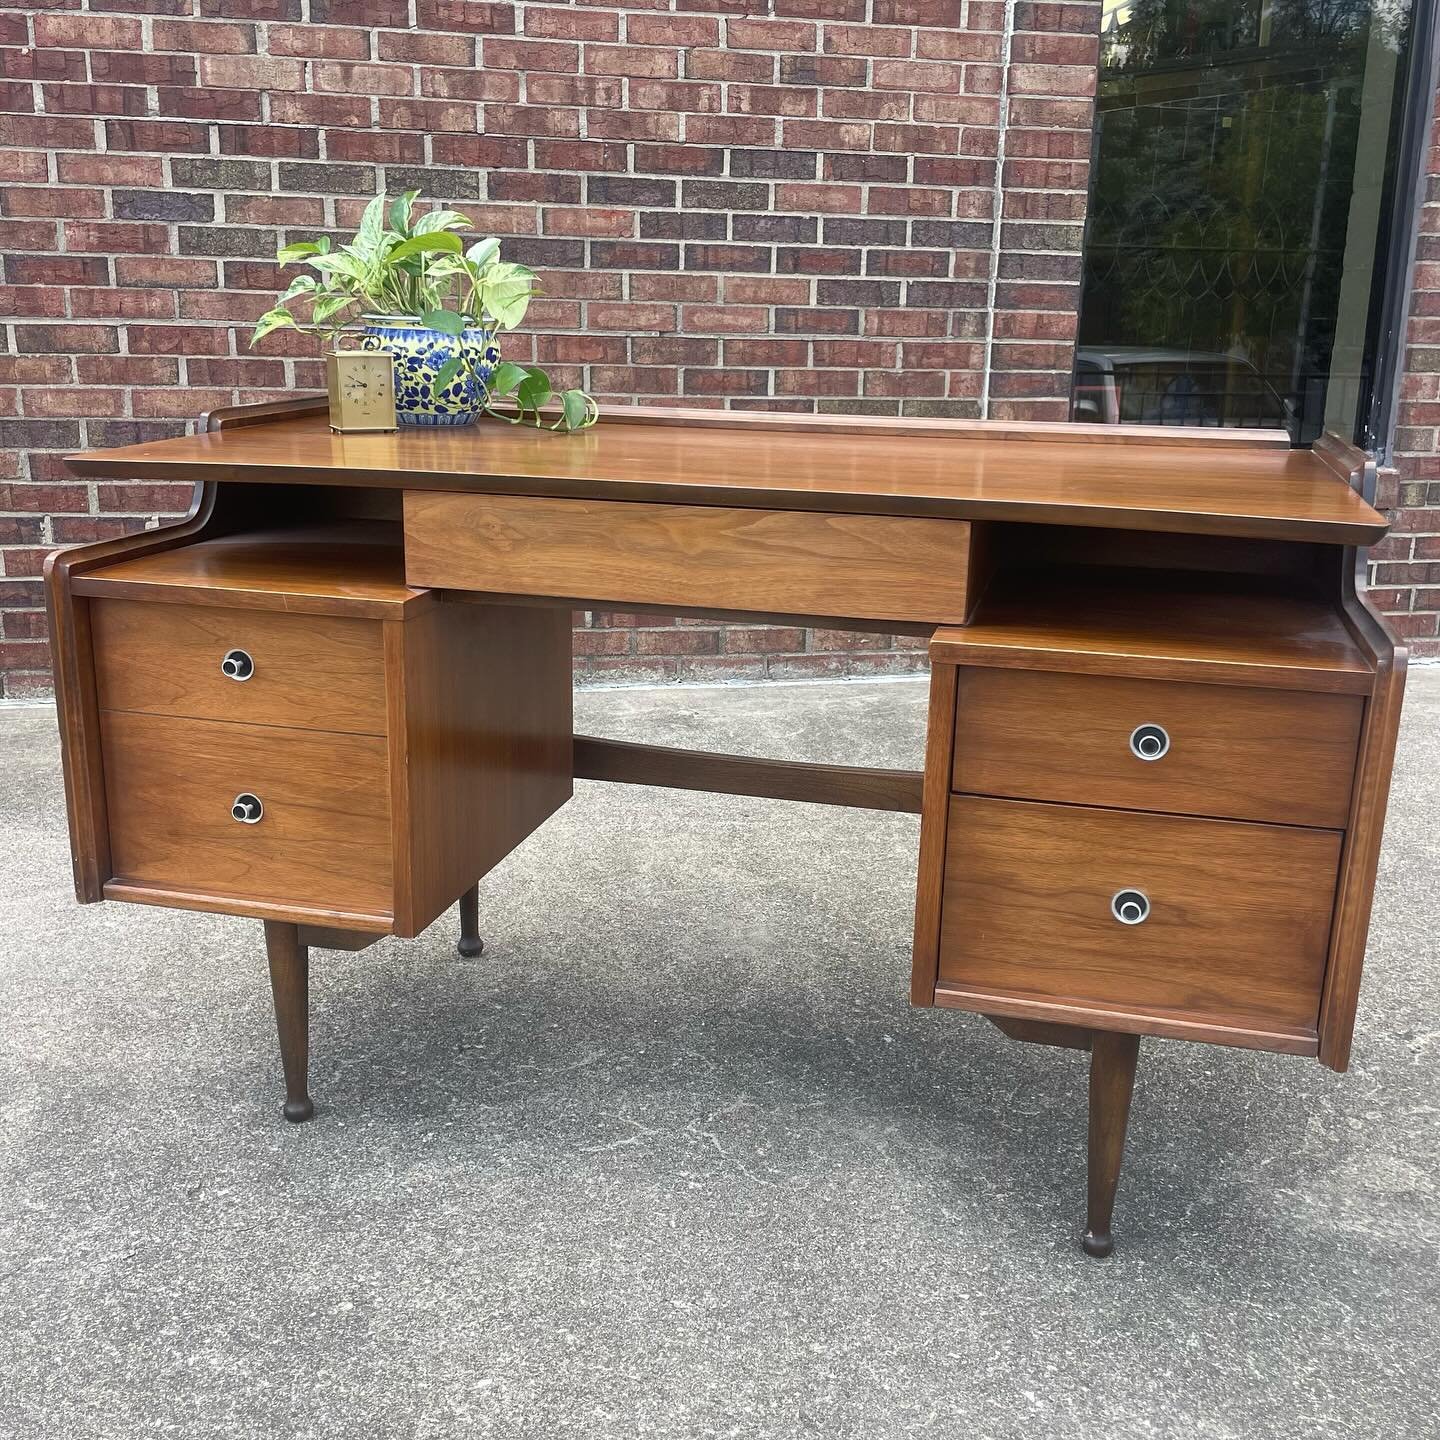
pixel 534 391
pixel 289 254
pixel 300 285
pixel 277 319
pixel 482 252
pixel 446 240
pixel 445 374
pixel 329 305
pixel 441 220
pixel 448 322
pixel 372 227
pixel 506 377
pixel 400 211
pixel 342 263
pixel 506 290
pixel 575 410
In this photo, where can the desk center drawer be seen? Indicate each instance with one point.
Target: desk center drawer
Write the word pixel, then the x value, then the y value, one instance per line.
pixel 1277 756
pixel 320 672
pixel 699 557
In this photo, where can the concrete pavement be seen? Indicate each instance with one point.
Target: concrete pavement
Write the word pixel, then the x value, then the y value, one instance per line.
pixel 675 1158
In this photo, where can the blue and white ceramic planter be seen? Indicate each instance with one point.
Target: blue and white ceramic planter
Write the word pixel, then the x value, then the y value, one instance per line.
pixel 420 353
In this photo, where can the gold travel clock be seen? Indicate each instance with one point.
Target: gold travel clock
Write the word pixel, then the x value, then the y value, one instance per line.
pixel 362 390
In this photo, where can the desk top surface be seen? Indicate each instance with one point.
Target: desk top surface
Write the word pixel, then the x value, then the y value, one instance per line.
pixel 1217 485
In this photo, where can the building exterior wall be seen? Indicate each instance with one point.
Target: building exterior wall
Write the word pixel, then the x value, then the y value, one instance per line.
pixel 869 206
pixel 1405 566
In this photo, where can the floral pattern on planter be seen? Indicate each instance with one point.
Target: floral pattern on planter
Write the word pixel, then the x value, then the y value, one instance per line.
pixel 420 353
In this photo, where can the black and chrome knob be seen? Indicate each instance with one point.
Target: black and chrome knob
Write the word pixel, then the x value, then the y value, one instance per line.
pixel 247 809
pixel 1149 742
pixel 1130 907
pixel 237 665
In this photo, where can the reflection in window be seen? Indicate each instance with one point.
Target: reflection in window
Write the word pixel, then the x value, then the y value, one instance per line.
pixel 1242 166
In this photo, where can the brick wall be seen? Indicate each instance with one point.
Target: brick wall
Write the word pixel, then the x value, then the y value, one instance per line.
pixel 857 205
pixel 1406 565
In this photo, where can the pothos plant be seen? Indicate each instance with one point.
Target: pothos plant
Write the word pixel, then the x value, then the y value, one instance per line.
pixel 417 268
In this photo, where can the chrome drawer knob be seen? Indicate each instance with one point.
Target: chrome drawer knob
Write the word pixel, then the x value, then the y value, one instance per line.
pixel 1149 742
pixel 247 809
pixel 1130 907
pixel 237 664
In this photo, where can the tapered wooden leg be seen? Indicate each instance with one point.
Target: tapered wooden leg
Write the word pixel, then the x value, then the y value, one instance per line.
pixel 1112 1079
pixel 290 983
pixel 470 942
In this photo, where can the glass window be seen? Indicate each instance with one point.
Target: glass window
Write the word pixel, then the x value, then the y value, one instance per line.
pixel 1242 179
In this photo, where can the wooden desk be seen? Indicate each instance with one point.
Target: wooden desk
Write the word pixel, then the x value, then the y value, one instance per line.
pixel 1161 727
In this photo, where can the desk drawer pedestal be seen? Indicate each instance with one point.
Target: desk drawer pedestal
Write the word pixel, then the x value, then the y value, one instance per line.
pixel 1153 856
pixel 353 770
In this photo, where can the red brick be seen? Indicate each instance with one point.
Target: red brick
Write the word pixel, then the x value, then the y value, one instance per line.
pixel 868 40
pixel 677 30
pixel 251 72
pixel 126 369
pixel 571 24
pixel 622 60
pixel 361 79
pixel 503 54
pixel 166 270
pixel 205 37
pixel 580 90
pixel 497 85
pixel 430 115
pixel 120 304
pixel 481 17
pixel 211 103
pixel 48 201
pixel 761 34
pixel 589 220
pixel 110 238
pixel 84 31
pixel 423 49
pixel 323 42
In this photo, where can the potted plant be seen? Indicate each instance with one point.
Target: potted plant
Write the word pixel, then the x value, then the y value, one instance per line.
pixel 413 288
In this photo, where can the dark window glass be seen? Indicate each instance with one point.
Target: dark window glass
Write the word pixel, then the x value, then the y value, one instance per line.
pixel 1243 167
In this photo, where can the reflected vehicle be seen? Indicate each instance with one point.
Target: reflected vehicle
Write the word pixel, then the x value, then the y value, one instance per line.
pixel 1137 385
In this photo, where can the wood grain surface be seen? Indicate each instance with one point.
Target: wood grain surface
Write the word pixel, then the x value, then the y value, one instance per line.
pixel 320 672
pixel 1239 925
pixel 871 566
pixel 480 729
pixel 351 567
pixel 324 840
pixel 1245 754
pixel 1366 827
pixel 1110 623
pixel 857 786
pixel 845 466
pixel 934 823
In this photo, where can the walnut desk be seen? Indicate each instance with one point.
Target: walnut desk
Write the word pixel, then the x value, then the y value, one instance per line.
pixel 1161 724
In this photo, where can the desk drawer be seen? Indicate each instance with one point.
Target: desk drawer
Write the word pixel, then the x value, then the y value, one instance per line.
pixel 864 567
pixel 1269 755
pixel 322 672
pixel 1238 915
pixel 323 838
